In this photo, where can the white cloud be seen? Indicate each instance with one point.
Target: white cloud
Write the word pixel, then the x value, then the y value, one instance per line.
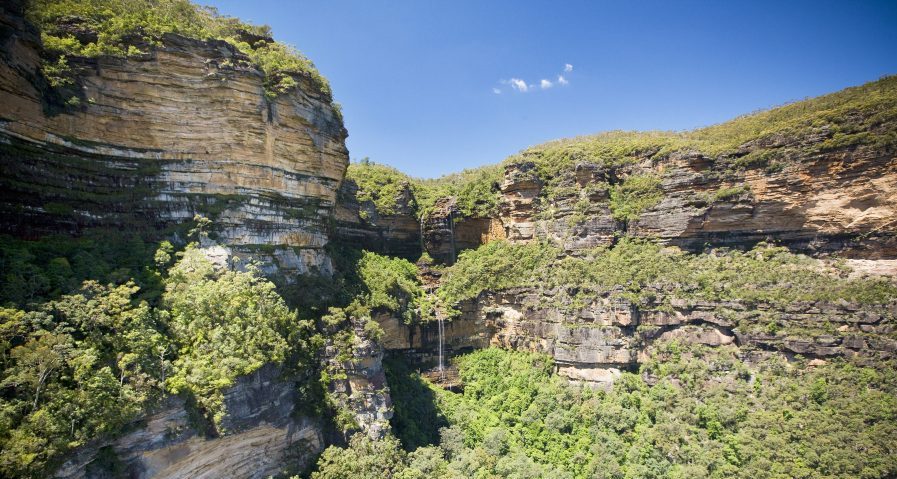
pixel 519 85
pixel 544 84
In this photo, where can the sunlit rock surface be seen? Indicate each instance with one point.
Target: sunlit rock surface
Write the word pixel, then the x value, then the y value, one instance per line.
pixel 180 130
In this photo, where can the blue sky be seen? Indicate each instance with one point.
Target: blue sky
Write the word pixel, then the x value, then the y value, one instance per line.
pixel 418 79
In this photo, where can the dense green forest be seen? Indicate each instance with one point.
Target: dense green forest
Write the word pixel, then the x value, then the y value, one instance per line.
pixel 96 332
pixel 88 346
pixel 82 359
pixel 690 412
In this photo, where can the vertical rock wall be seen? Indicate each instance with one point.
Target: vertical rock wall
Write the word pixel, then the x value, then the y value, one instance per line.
pixel 182 129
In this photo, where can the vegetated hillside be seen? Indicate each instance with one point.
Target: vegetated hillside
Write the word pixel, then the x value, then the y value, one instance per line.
pixel 161 167
pixel 690 412
pixel 697 304
pixel 863 116
pixel 111 354
pixel 715 303
pixel 817 176
pixel 385 186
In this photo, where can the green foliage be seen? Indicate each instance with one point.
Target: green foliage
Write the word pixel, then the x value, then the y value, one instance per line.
pixel 705 414
pixel 118 27
pixel 380 184
pixel 80 367
pixel 391 284
pixel 81 363
pixel 40 270
pixel 58 73
pixel 858 116
pixel 416 420
pixel 729 193
pixel 493 266
pixel 637 268
pixel 366 458
pixel 225 324
pixel 475 190
pixel 633 196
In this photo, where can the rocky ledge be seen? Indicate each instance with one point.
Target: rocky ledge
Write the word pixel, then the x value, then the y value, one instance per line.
pixel 594 342
pixel 841 202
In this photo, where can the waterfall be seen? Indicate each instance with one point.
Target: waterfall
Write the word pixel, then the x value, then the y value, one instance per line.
pixel 441 329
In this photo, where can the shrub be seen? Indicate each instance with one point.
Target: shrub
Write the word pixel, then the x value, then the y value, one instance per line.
pixel 633 196
pixel 117 24
pixel 475 190
pixel 226 324
pixel 391 284
pixel 493 266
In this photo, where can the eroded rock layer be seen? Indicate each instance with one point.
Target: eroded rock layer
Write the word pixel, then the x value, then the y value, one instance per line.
pixel 183 129
pixel 840 202
pixel 359 225
pixel 264 438
pixel 608 334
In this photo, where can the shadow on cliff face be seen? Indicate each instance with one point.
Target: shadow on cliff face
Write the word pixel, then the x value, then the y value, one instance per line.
pixel 735 225
pixel 313 293
pixel 416 419
pixel 782 224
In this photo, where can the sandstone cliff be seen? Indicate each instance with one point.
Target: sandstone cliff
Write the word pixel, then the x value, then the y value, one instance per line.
pixel 266 439
pixel 817 177
pixel 142 143
pixel 182 129
pixel 840 202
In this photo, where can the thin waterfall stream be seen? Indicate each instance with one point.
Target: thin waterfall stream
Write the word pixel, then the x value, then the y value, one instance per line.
pixel 441 329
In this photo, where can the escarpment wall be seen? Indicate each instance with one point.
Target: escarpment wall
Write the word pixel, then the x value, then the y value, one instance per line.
pixel 594 342
pixel 358 224
pixel 181 129
pixel 263 438
pixel 840 202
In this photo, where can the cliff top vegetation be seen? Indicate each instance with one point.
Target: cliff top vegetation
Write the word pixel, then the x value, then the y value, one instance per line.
pixel 865 115
pixel 92 28
pixel 764 274
pixel 475 190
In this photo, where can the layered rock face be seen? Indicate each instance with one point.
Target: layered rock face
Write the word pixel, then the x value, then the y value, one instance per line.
pixel 841 202
pixel 358 224
pixel 182 129
pixel 595 342
pixel 833 202
pixel 358 381
pixel 142 144
pixel 264 438
pixel 447 232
